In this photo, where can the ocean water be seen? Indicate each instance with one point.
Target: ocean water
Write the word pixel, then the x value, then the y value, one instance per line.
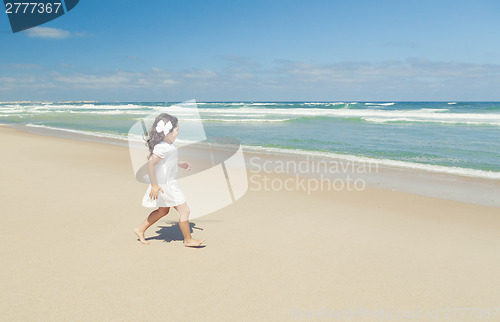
pixel 449 137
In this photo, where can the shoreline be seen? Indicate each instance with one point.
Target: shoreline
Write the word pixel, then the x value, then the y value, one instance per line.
pixel 449 186
pixel 121 140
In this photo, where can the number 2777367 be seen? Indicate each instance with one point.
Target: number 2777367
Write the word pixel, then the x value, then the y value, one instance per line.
pixel 32 7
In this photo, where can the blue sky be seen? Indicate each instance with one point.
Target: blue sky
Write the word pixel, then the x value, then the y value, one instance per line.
pixel 121 50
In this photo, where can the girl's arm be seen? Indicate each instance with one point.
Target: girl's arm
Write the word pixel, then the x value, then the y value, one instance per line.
pixel 155 188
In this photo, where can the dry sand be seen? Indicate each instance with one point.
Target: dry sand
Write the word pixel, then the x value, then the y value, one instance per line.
pixel 69 253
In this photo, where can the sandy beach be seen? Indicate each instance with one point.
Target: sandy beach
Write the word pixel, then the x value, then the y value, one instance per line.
pixel 69 253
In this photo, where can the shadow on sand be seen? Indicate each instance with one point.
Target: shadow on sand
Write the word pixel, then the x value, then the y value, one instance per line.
pixel 173 232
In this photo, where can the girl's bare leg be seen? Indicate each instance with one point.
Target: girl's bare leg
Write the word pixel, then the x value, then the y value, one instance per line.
pixel 184 211
pixel 152 218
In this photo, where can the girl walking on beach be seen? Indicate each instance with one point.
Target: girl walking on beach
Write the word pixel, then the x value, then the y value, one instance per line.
pixel 163 192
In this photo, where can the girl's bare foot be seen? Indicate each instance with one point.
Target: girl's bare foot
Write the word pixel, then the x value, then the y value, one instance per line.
pixel 140 234
pixel 193 242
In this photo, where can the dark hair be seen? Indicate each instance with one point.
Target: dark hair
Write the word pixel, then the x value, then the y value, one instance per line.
pixel 153 136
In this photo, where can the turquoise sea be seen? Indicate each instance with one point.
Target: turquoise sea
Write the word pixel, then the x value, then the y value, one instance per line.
pixel 449 137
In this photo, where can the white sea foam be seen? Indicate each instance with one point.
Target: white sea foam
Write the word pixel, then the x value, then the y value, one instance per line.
pixel 385 120
pixel 438 110
pixel 238 120
pixel 222 104
pixel 241 115
pixel 383 162
pixel 219 103
pixel 325 103
pixel 121 137
pixel 422 115
pixel 92 106
pixel 402 119
pixel 264 104
pixel 10 107
pixel 380 104
pixel 89 133
pixel 280 114
pixel 109 112
pixel 46 111
pixel 256 114
pixel 9 111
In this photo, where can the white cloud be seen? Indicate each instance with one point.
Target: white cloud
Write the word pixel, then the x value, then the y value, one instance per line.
pixel 153 78
pixel 200 74
pixel 412 79
pixel 386 74
pixel 52 33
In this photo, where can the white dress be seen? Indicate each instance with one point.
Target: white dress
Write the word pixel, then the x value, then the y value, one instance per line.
pixel 166 176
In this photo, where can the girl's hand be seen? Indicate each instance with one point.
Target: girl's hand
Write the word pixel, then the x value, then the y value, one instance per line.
pixel 154 191
pixel 185 165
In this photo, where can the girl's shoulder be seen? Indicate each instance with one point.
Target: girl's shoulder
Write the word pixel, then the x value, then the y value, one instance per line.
pixel 162 148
